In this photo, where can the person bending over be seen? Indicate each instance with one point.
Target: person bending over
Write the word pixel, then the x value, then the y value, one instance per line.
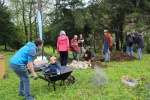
pixel 20 63
pixel 88 55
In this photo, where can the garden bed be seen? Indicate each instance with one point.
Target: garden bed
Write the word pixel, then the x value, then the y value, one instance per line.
pixel 121 56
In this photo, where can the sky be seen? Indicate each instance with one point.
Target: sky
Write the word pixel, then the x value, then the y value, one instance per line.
pixel 7 1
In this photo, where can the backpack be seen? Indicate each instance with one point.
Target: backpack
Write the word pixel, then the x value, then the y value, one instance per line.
pixel 113 41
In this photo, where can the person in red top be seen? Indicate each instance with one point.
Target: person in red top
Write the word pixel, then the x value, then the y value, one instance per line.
pixel 107 44
pixel 74 47
pixel 63 48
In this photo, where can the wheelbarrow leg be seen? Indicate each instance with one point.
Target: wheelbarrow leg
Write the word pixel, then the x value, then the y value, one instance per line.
pixel 61 82
pixel 48 83
pixel 54 86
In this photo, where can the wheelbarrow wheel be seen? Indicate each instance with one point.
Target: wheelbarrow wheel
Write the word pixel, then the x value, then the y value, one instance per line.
pixel 69 80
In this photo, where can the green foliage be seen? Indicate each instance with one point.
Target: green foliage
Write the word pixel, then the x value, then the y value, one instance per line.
pixel 79 19
pixel 17 41
pixel 8 29
pixel 74 17
pixel 70 19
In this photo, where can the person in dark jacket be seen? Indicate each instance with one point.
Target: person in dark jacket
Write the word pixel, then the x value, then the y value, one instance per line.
pixel 88 55
pixel 139 41
pixel 54 68
pixel 129 42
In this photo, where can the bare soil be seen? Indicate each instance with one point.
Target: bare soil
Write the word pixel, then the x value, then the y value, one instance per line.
pixel 121 56
pixel 99 64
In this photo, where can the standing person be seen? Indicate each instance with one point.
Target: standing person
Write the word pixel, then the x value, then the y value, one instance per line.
pixel 107 44
pixel 81 45
pixel 74 47
pixel 63 48
pixel 22 59
pixel 139 41
pixel 129 42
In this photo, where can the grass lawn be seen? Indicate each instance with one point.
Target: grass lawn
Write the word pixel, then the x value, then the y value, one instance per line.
pixel 83 89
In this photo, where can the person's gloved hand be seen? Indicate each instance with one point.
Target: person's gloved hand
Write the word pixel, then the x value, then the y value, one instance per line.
pixel 35 76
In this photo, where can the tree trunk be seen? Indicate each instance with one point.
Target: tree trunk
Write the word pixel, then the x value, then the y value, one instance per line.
pixel 17 13
pixel 137 3
pixel 5 46
pixel 9 48
pixel 24 21
pixel 35 24
pixel 30 16
pixel 117 41
pixel 121 35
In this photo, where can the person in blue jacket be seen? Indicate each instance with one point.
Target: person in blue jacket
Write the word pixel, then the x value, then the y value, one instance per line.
pixel 54 68
pixel 22 60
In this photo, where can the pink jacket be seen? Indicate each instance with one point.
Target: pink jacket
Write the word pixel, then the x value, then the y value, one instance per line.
pixel 63 43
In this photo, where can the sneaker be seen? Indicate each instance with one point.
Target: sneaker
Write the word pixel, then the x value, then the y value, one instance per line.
pixel 107 61
pixel 21 95
pixel 34 97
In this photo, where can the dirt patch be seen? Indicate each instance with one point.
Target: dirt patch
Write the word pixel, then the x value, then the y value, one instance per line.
pixel 121 56
pixel 99 64
pixel 99 58
pixel 69 60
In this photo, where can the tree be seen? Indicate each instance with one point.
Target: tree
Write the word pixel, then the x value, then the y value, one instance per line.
pixel 7 28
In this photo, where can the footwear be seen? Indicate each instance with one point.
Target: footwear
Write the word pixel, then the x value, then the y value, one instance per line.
pixel 33 97
pixel 21 95
pixel 107 61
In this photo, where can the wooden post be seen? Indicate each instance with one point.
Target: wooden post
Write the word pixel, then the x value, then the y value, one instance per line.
pixel 2 66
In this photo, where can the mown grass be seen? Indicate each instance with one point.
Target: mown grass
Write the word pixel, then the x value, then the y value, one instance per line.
pixel 83 88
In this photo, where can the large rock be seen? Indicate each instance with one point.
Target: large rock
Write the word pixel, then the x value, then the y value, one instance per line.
pixel 80 64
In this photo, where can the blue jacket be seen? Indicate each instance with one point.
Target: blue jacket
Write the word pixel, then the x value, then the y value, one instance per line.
pixel 106 45
pixel 24 55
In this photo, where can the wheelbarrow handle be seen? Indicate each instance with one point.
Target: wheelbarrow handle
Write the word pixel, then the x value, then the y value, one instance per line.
pixel 43 78
pixel 35 78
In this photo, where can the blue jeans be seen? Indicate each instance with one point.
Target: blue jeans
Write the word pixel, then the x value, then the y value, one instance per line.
pixel 81 51
pixel 107 56
pixel 63 57
pixel 92 59
pixel 22 73
pixel 129 51
pixel 140 53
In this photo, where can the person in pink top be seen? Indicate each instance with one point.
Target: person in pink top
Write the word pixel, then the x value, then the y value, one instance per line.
pixel 63 48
